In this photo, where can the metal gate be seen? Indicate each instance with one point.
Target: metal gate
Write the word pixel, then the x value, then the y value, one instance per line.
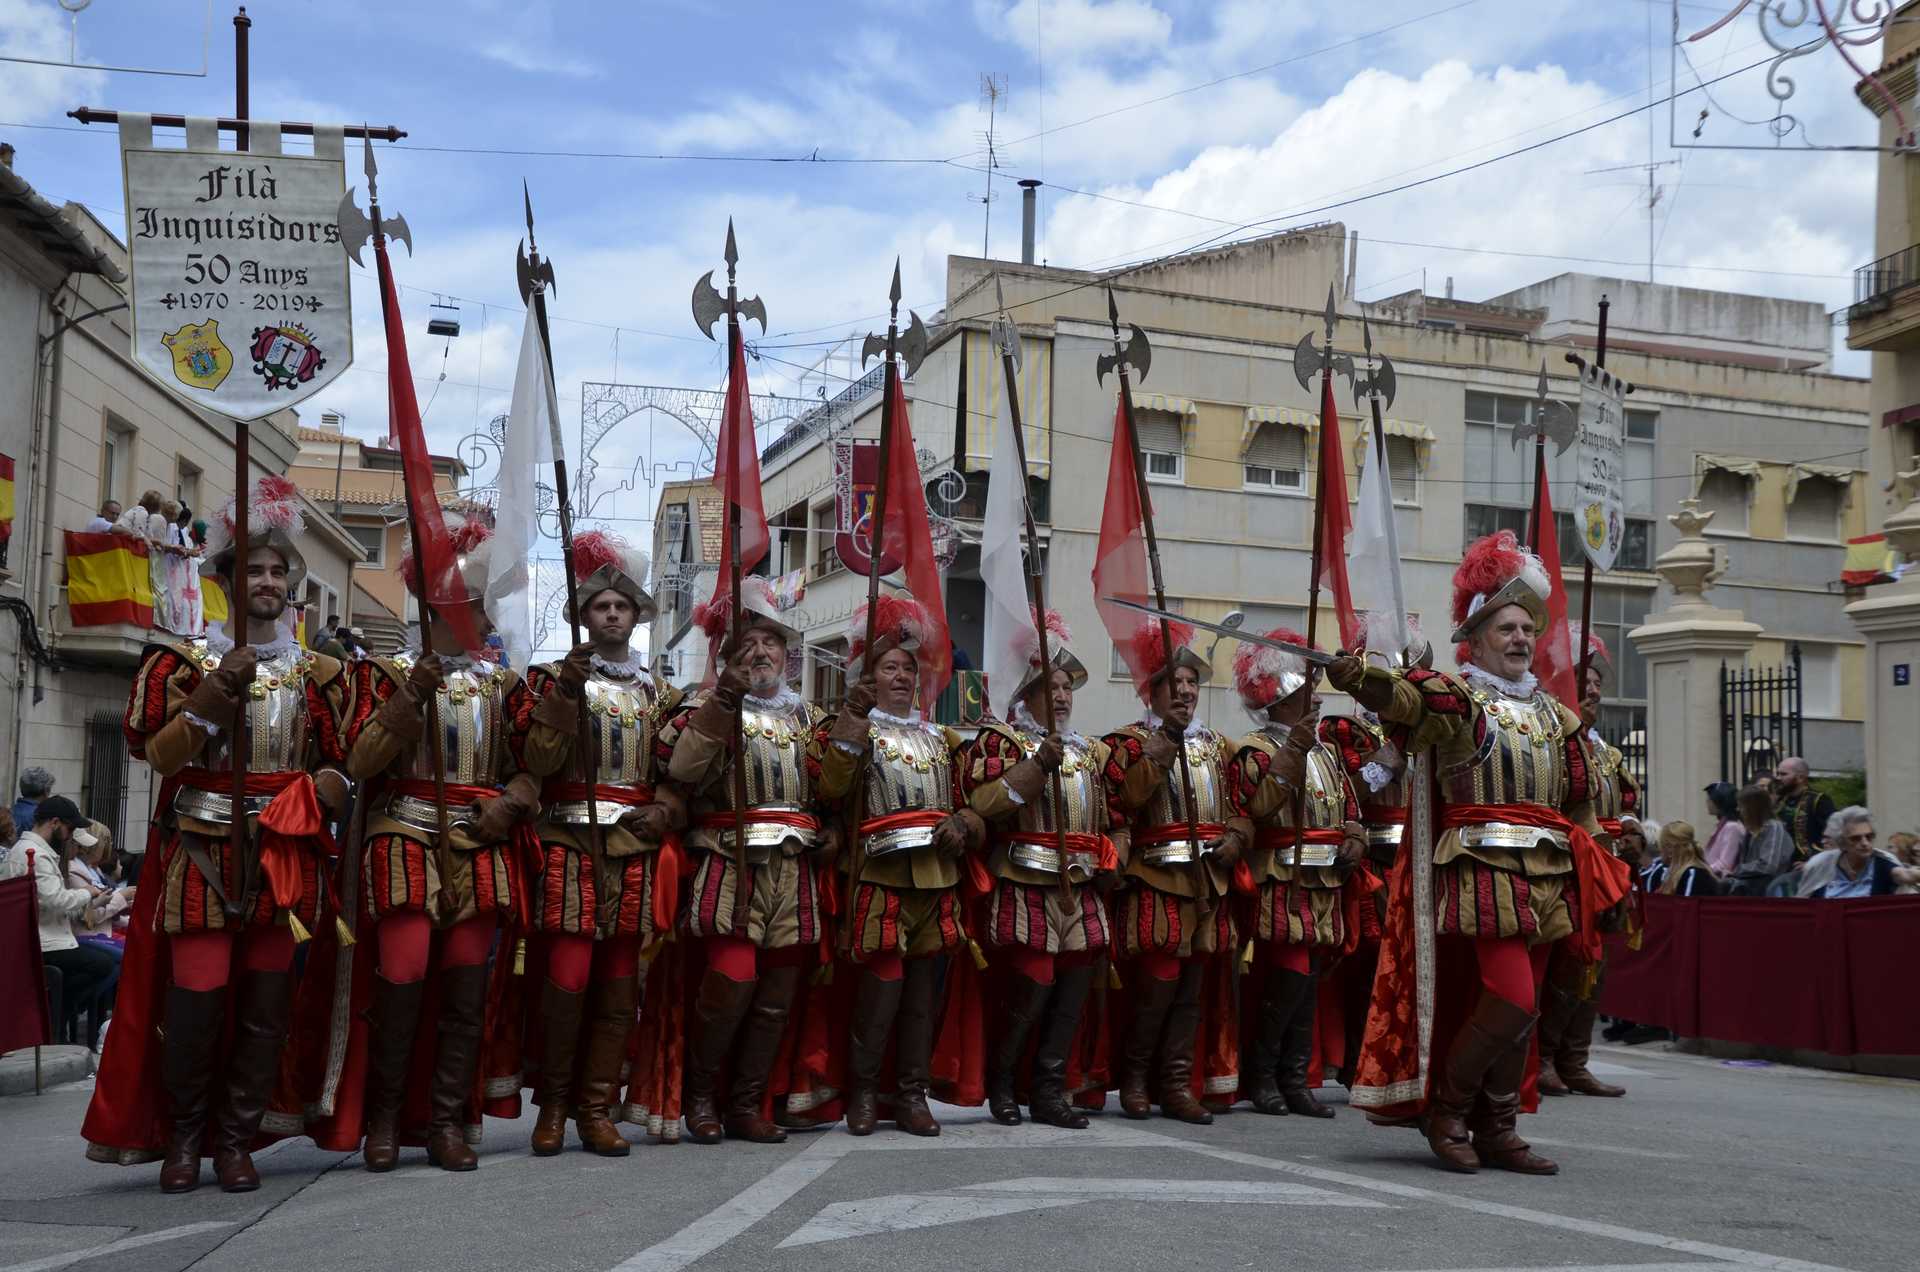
pixel 103 790
pixel 1760 718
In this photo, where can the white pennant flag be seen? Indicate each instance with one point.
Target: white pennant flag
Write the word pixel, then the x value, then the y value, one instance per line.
pixel 1373 546
pixel 1009 618
pixel 526 454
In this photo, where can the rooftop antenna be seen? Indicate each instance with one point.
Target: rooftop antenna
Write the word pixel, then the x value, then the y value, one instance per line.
pixel 992 88
pixel 1654 194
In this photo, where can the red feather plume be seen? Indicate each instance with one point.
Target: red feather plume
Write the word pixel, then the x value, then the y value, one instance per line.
pixel 596 549
pixel 1488 564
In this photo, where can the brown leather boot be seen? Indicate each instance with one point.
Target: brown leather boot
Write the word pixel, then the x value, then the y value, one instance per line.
pixel 717 1011
pixel 1576 1045
pixel 1557 1002
pixel 192 1037
pixel 1495 1141
pixel 391 1022
pixel 753 1060
pixel 876 1002
pixel 1260 1065
pixel 560 1012
pixel 1025 1000
pixel 1297 1054
pixel 1151 1000
pixel 913 1031
pixel 463 1014
pixel 1048 1101
pixel 1358 980
pixel 613 1005
pixel 265 1004
pixel 1178 1040
pixel 1487 1034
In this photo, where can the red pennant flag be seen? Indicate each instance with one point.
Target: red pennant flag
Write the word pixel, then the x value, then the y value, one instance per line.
pixel 1553 660
pixel 1336 520
pixel 1120 562
pixel 440 583
pixel 736 471
pixel 907 537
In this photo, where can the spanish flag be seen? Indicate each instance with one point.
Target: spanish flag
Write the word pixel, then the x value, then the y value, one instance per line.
pixel 6 503
pixel 213 599
pixel 108 580
pixel 1869 560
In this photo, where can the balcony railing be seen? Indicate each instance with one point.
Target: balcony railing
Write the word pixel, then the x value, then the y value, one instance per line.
pixel 1873 283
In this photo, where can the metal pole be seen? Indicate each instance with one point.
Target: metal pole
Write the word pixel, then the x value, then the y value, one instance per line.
pixel 88 115
pixel 1585 655
pixel 238 584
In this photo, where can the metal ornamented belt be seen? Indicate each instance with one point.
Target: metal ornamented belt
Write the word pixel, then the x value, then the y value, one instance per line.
pixel 1170 846
pixel 212 808
pixel 899 832
pixel 1510 835
pixel 420 814
pixel 1319 846
pixel 1386 836
pixel 1081 866
pixel 765 829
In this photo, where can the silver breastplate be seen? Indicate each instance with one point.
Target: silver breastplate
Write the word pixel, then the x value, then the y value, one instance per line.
pixel 1608 796
pixel 622 715
pixel 908 769
pixel 1082 791
pixel 471 707
pixel 276 706
pixel 1521 760
pixel 1168 807
pixel 775 749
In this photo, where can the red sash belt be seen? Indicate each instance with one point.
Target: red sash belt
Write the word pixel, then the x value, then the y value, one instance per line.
pixel 576 793
pixel 1602 878
pixel 780 817
pixel 1386 815
pixel 1280 838
pixel 457 794
pixel 978 883
pixel 290 821
pixel 1099 847
pixel 1177 832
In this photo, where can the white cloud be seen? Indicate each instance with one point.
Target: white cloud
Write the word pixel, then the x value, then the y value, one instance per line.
pixel 532 59
pixel 40 31
pixel 1078 29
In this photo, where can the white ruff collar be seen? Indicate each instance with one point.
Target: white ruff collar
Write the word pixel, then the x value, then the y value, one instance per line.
pixel 1523 688
pixel 911 720
pixel 632 667
pixel 783 702
pixel 457 662
pixel 1196 728
pixel 220 643
pixel 1021 718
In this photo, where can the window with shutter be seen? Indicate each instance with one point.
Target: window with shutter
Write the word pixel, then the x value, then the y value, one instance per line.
pixel 1277 458
pixel 1161 442
pixel 1727 494
pixel 1403 464
pixel 1815 510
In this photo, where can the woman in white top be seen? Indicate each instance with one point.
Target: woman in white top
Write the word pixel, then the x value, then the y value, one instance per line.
pixel 88 975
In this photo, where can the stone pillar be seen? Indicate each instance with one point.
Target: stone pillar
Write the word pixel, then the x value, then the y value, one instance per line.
pixel 1684 646
pixel 1890 619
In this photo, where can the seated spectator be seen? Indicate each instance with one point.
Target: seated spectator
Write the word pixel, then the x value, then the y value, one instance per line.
pixel 102 522
pixel 35 785
pixel 1768 849
pixel 1905 847
pixel 1651 870
pixel 86 972
pixel 1854 869
pixel 1729 836
pixel 1684 871
pixel 1630 845
pixel 1800 808
pixel 87 869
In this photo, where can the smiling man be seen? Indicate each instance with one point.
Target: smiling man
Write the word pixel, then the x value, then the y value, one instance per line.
pixel 1514 826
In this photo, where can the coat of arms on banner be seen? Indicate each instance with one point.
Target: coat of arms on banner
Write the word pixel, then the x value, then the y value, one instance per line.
pixel 200 359
pixel 285 356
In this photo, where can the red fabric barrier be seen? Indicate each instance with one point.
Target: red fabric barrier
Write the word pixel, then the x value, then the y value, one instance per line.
pixel 23 990
pixel 1801 975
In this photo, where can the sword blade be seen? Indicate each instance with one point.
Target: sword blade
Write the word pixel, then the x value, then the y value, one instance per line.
pixel 1311 655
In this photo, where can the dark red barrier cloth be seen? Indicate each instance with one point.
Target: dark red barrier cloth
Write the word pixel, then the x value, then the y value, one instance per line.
pixel 1803 975
pixel 23 991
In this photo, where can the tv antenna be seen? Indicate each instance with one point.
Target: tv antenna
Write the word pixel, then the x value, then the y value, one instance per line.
pixel 992 89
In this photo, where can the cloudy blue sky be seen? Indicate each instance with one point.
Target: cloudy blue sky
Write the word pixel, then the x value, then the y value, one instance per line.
pixel 1154 123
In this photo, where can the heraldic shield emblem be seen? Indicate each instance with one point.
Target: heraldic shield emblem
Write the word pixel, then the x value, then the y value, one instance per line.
pixel 200 359
pixel 285 356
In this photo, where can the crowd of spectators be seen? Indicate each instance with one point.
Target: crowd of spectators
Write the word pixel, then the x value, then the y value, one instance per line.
pixel 82 897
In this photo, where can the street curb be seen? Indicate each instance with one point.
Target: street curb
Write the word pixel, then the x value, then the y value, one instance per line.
pixel 58 1065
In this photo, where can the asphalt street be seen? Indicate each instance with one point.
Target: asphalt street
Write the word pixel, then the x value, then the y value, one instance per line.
pixel 1704 1166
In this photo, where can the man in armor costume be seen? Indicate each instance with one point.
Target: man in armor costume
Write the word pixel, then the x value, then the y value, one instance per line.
pixel 1570 998
pixel 1511 867
pixel 434 898
pixel 883 758
pixel 1171 918
pixel 600 895
pixel 1301 868
pixel 213 934
pixel 1046 920
pixel 1376 762
pixel 759 929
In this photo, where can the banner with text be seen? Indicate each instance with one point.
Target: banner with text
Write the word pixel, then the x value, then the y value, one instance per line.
pixel 1600 501
pixel 240 298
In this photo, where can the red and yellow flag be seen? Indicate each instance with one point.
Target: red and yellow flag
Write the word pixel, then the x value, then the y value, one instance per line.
pixel 6 500
pixel 108 580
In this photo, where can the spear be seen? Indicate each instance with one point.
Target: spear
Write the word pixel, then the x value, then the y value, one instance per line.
pixel 1007 335
pixel 535 275
pixel 1135 351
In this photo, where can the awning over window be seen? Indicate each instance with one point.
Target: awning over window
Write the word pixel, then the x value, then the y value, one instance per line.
pixel 986 383
pixel 1746 469
pixel 1841 477
pixel 1419 434
pixel 1285 416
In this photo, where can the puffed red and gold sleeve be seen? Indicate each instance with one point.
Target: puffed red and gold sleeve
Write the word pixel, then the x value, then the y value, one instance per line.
pixel 156 725
pixel 543 723
pixel 685 753
pixel 1130 776
pixel 329 691
pixel 833 768
pixel 1255 793
pixel 1349 740
pixel 386 721
pixel 990 776
pixel 1581 774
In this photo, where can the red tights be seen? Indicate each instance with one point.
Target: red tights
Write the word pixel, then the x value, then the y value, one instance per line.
pixel 204 960
pixel 1284 956
pixel 1039 966
pixel 406 937
pixel 573 960
pixel 740 960
pixel 1157 966
pixel 1510 969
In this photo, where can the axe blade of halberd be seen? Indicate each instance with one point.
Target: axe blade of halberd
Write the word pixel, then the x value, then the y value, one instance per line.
pixel 531 275
pixel 1139 351
pixel 1381 380
pixel 709 306
pixel 872 347
pixel 395 227
pixel 913 343
pixel 755 309
pixel 1307 361
pixel 1552 420
pixel 355 228
pixel 1006 332
pixel 1307 652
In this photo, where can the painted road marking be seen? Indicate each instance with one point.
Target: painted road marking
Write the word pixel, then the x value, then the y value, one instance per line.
pixel 899 1212
pixel 749 1206
pixel 52 1261
pixel 1587 1146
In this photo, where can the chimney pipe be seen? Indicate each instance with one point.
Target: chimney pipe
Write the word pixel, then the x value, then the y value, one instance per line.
pixel 1027 201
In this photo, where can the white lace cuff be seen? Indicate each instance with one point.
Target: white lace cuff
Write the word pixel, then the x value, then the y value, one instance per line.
pixel 212 729
pixel 1376 776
